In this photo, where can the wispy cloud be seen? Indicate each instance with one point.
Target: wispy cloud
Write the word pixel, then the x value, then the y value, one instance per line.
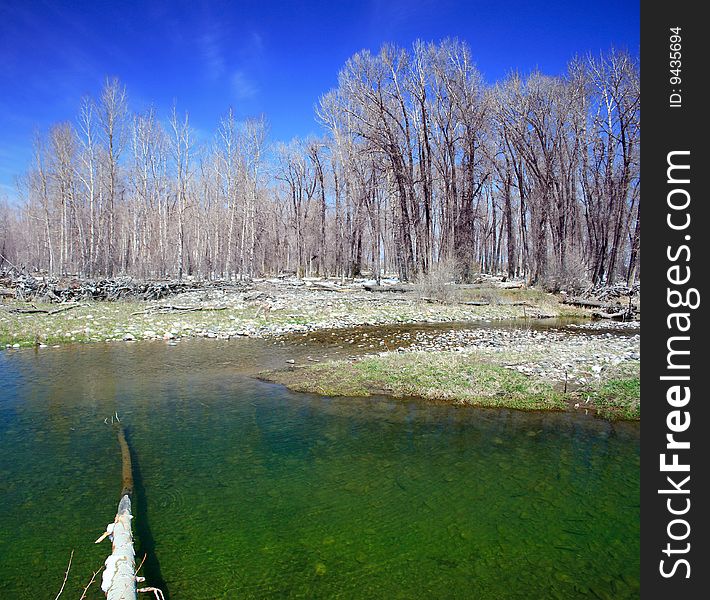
pixel 230 57
pixel 212 55
pixel 256 43
pixel 242 86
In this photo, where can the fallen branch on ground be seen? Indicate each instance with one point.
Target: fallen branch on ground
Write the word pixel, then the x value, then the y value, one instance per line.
pixel 34 310
pixel 319 285
pixel 389 288
pixel 170 308
pixel 622 314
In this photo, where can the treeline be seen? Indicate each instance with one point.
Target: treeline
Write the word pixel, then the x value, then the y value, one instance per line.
pixel 421 165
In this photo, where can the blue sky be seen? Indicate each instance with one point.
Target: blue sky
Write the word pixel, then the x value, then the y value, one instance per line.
pixel 271 58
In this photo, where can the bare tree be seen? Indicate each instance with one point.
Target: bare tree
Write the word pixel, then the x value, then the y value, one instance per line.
pixel 112 113
pixel 181 147
pixel 420 164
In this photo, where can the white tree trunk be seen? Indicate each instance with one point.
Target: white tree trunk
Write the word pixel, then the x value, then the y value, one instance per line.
pixel 119 577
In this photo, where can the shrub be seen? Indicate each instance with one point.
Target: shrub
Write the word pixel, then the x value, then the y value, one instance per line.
pixel 438 283
pixel 572 278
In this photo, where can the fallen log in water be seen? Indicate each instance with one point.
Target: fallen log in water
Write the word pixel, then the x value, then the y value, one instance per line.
pixel 119 578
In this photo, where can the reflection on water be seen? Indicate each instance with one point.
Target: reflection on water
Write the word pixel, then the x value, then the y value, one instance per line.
pixel 251 491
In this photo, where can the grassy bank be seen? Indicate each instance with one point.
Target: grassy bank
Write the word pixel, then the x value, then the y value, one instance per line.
pixel 518 369
pixel 438 376
pixel 112 321
pixel 458 378
pixel 618 398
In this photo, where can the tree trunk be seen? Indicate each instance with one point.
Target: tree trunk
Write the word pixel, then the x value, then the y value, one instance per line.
pixel 119 578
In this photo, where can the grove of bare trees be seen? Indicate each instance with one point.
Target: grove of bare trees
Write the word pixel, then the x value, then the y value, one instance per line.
pixel 420 164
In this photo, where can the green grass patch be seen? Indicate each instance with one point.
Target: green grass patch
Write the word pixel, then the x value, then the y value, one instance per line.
pixel 437 376
pixel 618 399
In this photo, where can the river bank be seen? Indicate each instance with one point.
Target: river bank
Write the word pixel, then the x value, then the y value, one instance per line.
pixel 582 365
pixel 268 309
pixel 579 367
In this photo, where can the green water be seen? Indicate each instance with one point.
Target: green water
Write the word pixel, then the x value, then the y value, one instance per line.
pixel 246 490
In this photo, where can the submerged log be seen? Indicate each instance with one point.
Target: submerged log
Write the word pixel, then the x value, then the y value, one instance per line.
pixel 126 466
pixel 119 578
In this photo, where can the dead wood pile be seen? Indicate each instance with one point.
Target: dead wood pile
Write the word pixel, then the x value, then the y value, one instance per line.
pixel 609 301
pixel 26 287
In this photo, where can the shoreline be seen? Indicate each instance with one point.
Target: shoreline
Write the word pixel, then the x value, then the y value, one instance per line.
pixel 267 311
pixel 480 384
pixel 574 367
pixel 575 364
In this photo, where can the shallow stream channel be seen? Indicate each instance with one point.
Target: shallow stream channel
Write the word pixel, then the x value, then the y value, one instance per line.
pixel 244 489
